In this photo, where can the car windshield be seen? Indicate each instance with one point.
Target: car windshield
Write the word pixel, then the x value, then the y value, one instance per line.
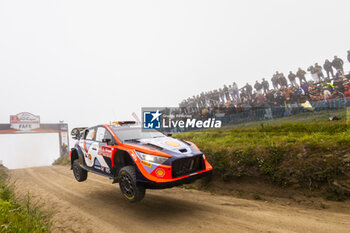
pixel 130 134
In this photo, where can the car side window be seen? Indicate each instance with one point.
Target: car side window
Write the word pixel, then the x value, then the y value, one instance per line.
pixel 108 136
pixel 91 134
pixel 83 134
pixel 100 134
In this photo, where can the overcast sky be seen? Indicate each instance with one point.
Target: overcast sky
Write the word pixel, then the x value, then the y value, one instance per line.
pixel 91 62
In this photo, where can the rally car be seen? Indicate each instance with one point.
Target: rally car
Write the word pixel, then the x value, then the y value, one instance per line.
pixel 136 159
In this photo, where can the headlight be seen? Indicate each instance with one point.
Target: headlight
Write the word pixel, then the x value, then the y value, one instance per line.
pixel 151 158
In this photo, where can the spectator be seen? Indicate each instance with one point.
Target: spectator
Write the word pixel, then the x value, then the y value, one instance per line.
pixel 338 63
pixel 260 99
pixel 216 96
pixel 258 87
pixel 279 100
pixel 222 95
pixel 305 87
pixel 337 94
pixel 286 93
pixel 270 97
pixel 282 80
pixel 301 91
pixel 348 55
pixel 265 84
pixel 275 80
pixel 301 75
pixel 327 66
pixel 230 91
pixel 327 94
pixel 338 84
pixel 249 89
pixel 327 90
pixel 231 99
pixel 318 69
pixel 291 77
pixel 202 100
pixel 64 149
pixel 294 96
pixel 235 91
pixel 347 91
pixel 339 75
pixel 314 74
pixel 227 94
pixel 348 76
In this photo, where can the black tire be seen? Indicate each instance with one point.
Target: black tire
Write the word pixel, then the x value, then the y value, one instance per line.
pixel 127 183
pixel 79 173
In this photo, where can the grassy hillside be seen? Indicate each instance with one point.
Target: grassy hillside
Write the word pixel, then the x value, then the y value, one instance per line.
pixel 16 217
pixel 313 156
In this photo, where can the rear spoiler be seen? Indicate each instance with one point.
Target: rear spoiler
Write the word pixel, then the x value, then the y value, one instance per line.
pixel 76 132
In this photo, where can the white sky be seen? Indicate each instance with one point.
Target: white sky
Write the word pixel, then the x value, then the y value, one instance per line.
pixel 91 62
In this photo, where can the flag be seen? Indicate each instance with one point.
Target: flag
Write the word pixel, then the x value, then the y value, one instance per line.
pixel 136 117
pixel 307 106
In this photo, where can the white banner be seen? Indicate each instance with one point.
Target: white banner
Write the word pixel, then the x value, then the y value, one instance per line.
pixel 25 121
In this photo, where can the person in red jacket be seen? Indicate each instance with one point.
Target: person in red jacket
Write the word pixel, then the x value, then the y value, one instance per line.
pixel 347 91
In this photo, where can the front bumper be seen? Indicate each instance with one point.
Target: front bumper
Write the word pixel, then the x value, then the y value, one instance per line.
pixel 185 180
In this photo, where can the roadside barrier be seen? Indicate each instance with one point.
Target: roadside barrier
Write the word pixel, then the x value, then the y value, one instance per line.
pixel 335 109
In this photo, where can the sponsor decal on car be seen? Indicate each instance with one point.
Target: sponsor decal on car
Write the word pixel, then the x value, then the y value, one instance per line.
pixel 160 172
pixel 98 166
pixel 103 169
pixel 133 155
pixel 146 163
pixel 172 143
pixel 105 151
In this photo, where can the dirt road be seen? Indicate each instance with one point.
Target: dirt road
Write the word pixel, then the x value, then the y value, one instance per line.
pixel 97 206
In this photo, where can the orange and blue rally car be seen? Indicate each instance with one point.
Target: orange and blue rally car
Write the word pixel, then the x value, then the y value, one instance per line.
pixel 136 159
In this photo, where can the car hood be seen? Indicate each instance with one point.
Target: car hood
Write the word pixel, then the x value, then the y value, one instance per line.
pixel 168 145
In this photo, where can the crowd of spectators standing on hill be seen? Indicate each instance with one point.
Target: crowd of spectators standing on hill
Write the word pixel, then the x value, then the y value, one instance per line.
pixel 329 82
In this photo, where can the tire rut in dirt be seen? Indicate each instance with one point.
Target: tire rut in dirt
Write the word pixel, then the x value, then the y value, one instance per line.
pixel 178 210
pixel 78 200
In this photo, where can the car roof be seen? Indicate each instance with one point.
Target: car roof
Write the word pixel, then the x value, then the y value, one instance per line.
pixel 123 127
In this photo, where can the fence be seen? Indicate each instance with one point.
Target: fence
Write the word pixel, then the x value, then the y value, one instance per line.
pixel 309 111
pixel 335 109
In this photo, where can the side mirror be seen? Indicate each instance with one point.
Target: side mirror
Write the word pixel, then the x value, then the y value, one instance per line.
pixel 108 141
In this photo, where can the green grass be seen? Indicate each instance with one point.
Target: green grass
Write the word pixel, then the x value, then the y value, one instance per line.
pixel 17 217
pixel 308 154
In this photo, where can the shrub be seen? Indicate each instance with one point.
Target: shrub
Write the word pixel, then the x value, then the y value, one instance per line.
pixel 15 217
pixel 307 154
pixel 62 160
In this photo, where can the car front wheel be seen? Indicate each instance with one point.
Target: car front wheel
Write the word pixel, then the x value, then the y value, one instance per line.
pixel 127 183
pixel 79 173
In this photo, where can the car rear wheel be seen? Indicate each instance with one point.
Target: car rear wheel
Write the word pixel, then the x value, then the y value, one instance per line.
pixel 79 173
pixel 127 183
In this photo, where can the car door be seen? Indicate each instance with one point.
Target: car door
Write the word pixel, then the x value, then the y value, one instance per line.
pixel 89 147
pixel 103 156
